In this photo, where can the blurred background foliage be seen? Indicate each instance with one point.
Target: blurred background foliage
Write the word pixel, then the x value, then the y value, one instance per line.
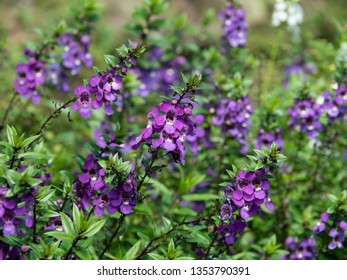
pixel 270 49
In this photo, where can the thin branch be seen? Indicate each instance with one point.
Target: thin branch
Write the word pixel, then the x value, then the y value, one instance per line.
pixel 120 223
pixel 55 113
pixel 9 107
pixel 211 245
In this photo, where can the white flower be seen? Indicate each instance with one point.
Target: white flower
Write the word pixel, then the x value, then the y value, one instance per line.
pixel 287 12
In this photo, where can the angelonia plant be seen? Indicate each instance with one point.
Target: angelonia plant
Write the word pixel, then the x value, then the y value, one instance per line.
pixel 174 143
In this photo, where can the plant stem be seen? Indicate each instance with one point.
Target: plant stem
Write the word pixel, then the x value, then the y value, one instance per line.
pixel 51 116
pixel 148 169
pixel 54 114
pixel 64 202
pixel 120 223
pixel 71 248
pixel 211 245
pixel 90 212
pixel 9 107
pixel 78 238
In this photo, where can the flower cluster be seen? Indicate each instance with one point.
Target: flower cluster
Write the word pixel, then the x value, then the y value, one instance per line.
pixel 201 135
pixel 172 122
pixel 8 252
pixel 75 52
pixel 249 191
pixel 10 212
pixel 305 115
pixel 8 208
pixel 154 78
pixel 335 104
pixel 336 231
pixel 338 236
pixel 57 77
pixel 91 190
pixel 321 224
pixel 288 12
pixel 304 250
pixel 267 138
pixel 30 75
pixel 234 118
pixel 105 135
pixel 104 87
pixel 229 231
pixel 234 26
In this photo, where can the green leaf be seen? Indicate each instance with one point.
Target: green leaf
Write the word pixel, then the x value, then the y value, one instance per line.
pixel 60 235
pixel 110 60
pixel 176 89
pixel 332 198
pixel 143 237
pixel 200 197
pixel 94 228
pixel 76 214
pixel 342 196
pixel 131 254
pixel 11 133
pixel 8 145
pixel 166 222
pixel 230 173
pixel 45 194
pixel 260 153
pixel 123 51
pixel 32 155
pixel 28 141
pixel 156 256
pixel 67 224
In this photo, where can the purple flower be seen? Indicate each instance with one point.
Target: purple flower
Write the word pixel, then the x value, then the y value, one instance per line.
pixel 234 26
pixel 226 212
pixel 321 224
pixel 172 123
pixel 233 116
pixel 229 231
pixel 30 75
pixel 334 104
pixel 8 220
pixel 338 236
pixel 104 87
pixel 267 138
pixel 250 191
pixel 8 252
pixel 84 101
pixel 304 250
pixel 76 51
pixel 91 190
pixel 305 115
pixel 57 76
pixel 201 135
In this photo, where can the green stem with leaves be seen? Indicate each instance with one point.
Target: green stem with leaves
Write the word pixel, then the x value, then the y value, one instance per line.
pixel 78 238
pixel 148 248
pixel 120 223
